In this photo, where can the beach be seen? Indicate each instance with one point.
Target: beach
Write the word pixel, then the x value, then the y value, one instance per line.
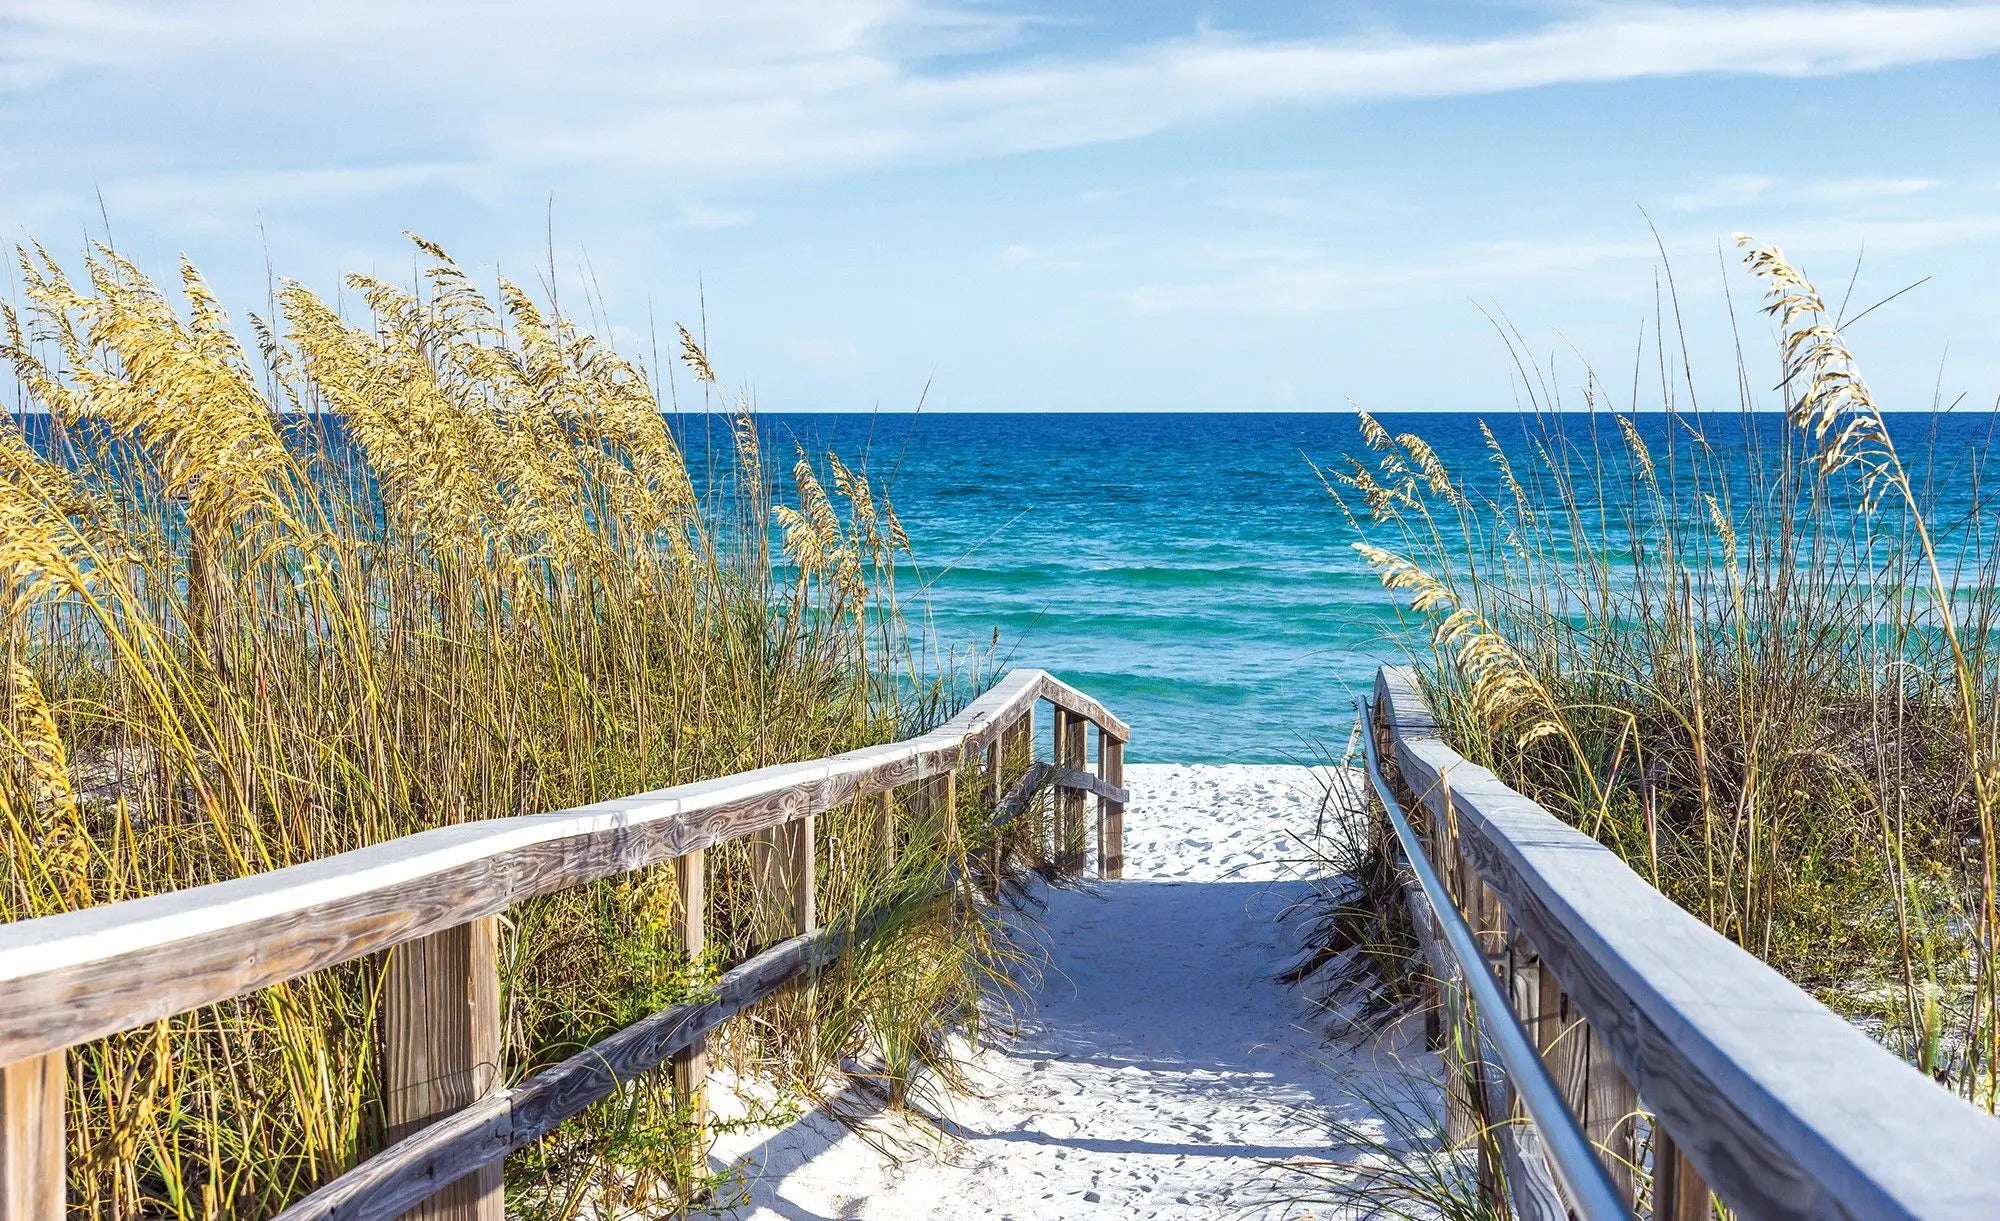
pixel 1154 1065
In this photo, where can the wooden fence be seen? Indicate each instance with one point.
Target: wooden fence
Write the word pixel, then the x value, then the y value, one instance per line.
pixel 1689 1063
pixel 68 979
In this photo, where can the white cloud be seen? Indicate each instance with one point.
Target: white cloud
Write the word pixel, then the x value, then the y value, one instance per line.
pixel 1742 190
pixel 1729 191
pixel 1857 190
pixel 1846 236
pixel 1297 280
pixel 695 95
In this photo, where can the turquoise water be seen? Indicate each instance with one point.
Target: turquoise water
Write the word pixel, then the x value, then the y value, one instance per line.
pixel 1189 570
pixel 1192 571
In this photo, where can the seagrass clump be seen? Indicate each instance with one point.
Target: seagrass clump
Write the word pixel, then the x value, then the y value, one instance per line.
pixel 1759 662
pixel 432 558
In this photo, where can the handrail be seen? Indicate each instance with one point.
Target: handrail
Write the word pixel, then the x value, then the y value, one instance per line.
pixel 407 1172
pixel 70 978
pixel 81 975
pixel 1588 1188
pixel 1758 1092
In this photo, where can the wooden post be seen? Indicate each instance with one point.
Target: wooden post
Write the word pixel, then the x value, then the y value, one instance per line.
pixel 1021 754
pixel 786 893
pixel 1490 1096
pixel 1069 748
pixel 1679 1194
pixel 796 840
pixel 441 1040
pixel 885 825
pixel 1424 921
pixel 1600 1097
pixel 32 1093
pixel 1456 1042
pixel 996 788
pixel 690 1067
pixel 1059 796
pixel 1110 814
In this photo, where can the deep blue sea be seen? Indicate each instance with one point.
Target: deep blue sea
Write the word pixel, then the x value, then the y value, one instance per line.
pixel 1188 569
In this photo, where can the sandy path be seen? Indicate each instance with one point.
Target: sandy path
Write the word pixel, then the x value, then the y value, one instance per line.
pixel 1159 1064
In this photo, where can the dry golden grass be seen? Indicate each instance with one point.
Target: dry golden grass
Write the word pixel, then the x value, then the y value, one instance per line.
pixel 1761 675
pixel 440 562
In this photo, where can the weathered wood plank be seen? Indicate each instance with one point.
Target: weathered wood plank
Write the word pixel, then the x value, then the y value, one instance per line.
pixel 1531 1187
pixel 1732 1057
pixel 1678 1191
pixel 79 976
pixel 32 1095
pixel 1529 1180
pixel 1069 746
pixel 781 860
pixel 690 1065
pixel 406 1172
pixel 996 792
pixel 1454 1043
pixel 1603 1102
pixel 1086 782
pixel 1110 809
pixel 440 1017
pixel 481 1134
pixel 1064 696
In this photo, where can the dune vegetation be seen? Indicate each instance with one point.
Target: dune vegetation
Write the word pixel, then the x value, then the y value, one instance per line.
pixel 440 560
pixel 1758 662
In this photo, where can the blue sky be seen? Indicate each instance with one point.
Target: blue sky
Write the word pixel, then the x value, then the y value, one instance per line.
pixel 1084 206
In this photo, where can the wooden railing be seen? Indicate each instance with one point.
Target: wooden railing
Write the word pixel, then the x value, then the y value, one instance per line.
pixel 68 979
pixel 1755 1095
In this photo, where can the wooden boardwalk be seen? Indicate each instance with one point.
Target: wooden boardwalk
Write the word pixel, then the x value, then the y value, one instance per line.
pixel 1605 1054
pixel 1157 1065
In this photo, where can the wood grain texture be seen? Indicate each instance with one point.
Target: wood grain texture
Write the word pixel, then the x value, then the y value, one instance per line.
pixel 1785 1109
pixel 781 860
pixel 1110 810
pixel 481 1134
pixel 1531 1187
pixel 1603 1102
pixel 82 975
pixel 1454 1043
pixel 440 1017
pixel 32 1097
pixel 996 792
pixel 477 1136
pixel 690 1064
pixel 1069 746
pixel 1678 1191
pixel 1086 782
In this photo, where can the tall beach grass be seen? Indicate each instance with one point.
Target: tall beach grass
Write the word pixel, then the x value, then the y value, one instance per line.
pixel 1760 663
pixel 435 558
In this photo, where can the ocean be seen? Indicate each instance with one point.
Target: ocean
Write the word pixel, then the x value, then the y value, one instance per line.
pixel 1191 570
pixel 1188 569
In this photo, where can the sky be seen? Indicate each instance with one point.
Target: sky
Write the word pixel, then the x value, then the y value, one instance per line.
pixel 872 204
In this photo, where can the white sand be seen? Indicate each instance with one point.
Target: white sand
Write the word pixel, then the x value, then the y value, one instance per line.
pixel 1159 1064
